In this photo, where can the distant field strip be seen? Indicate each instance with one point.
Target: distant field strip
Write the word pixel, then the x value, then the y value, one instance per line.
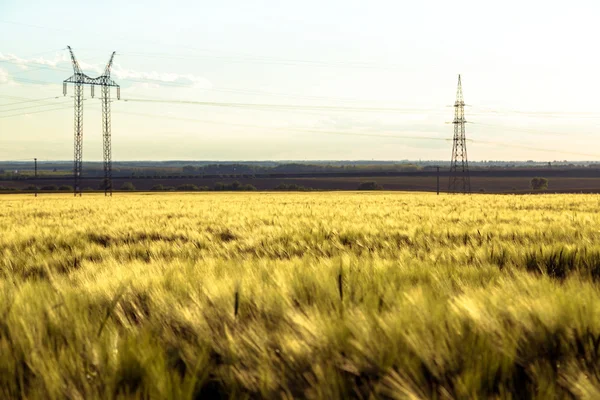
pixel 309 295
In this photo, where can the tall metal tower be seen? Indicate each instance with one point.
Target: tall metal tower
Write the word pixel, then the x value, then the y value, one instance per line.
pixel 459 166
pixel 106 83
pixel 79 79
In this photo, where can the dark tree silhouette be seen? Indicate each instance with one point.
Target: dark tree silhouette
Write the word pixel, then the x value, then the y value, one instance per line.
pixel 370 186
pixel 539 184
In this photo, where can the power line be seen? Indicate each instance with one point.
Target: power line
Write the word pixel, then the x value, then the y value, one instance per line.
pixel 534 148
pixel 279 129
pixel 483 111
pixel 289 107
pixel 317 131
pixel 383 109
pixel 277 106
pixel 34 112
pixel 228 56
pixel 28 101
pixel 33 26
pixel 529 130
pixel 34 106
pixel 545 114
pixel 179 84
pixel 232 56
pixel 300 130
pixel 477 141
pixel 241 58
pixel 33 81
pixel 290 95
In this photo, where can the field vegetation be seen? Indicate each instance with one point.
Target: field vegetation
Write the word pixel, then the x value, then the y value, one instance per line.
pixel 308 295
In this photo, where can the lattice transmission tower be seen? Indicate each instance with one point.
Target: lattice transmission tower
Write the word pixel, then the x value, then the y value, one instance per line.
pixel 79 79
pixel 459 165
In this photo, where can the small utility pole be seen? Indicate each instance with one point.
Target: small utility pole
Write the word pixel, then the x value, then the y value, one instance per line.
pixel 35 176
pixel 438 180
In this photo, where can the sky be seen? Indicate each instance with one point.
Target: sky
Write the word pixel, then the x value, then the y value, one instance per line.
pixel 304 80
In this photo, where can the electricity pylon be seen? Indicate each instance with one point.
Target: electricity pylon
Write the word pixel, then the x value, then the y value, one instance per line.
pixel 79 79
pixel 106 83
pixel 459 165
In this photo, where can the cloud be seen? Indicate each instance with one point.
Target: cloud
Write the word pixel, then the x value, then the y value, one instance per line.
pixel 24 63
pixel 4 78
pixel 142 87
pixel 62 62
pixel 86 68
pixel 165 78
pixel 11 58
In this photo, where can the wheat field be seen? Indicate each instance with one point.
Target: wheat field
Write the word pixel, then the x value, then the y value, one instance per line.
pixel 299 295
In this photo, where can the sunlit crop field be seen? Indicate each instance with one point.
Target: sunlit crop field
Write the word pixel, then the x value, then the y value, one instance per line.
pixel 309 295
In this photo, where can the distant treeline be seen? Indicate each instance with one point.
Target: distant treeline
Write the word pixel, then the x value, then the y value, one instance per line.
pixel 234 186
pixel 244 170
pixel 295 168
pixel 128 186
pixel 32 188
pixel 223 169
pixel 189 187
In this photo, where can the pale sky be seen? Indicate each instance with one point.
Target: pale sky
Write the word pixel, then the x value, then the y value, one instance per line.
pixel 334 79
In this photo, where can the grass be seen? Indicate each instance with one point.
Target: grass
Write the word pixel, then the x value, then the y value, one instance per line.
pixel 310 295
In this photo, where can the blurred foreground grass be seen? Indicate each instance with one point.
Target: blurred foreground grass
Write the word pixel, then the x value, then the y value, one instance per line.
pixel 310 295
